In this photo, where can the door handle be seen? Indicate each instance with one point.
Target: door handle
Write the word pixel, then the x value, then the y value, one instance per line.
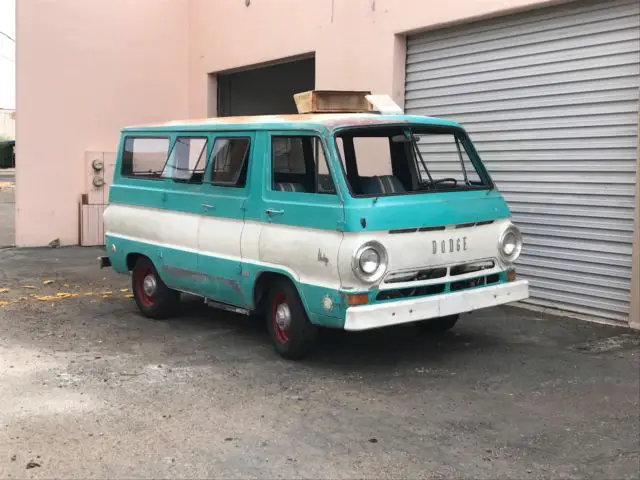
pixel 206 206
pixel 271 212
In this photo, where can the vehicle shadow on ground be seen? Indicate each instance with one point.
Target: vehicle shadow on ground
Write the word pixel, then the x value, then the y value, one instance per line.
pixel 380 347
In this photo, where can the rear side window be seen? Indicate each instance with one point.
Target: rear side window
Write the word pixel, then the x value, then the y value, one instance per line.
pixel 187 161
pixel 144 157
pixel 230 162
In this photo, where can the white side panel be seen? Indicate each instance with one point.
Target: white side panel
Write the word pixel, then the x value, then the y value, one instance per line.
pixel 550 99
pixel 311 254
pixel 220 237
pixel 302 253
pixel 158 227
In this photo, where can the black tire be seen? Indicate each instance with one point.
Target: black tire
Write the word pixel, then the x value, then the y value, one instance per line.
pixel 438 325
pixel 298 339
pixel 162 302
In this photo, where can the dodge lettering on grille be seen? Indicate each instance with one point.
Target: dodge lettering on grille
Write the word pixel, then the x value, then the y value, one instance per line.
pixel 449 246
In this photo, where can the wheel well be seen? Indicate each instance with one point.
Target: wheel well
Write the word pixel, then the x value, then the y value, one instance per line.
pixel 132 258
pixel 261 287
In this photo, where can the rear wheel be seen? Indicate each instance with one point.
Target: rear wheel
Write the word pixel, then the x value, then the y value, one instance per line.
pixel 291 332
pixel 153 297
pixel 438 325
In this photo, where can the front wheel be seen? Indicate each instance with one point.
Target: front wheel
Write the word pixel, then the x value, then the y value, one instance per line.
pixel 438 325
pixel 154 299
pixel 291 332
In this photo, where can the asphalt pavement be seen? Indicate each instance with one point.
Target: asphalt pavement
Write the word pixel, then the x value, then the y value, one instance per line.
pixel 90 389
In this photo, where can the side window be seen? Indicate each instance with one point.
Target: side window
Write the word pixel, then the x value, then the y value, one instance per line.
pixel 144 157
pixel 299 165
pixel 230 162
pixel 187 160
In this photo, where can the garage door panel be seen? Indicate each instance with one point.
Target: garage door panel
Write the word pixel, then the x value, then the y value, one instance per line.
pixel 546 260
pixel 534 20
pixel 562 217
pixel 614 286
pixel 553 166
pixel 580 46
pixel 623 205
pixel 574 121
pixel 569 188
pixel 539 249
pixel 617 44
pixel 440 97
pixel 596 154
pixel 593 307
pixel 550 99
pixel 577 234
pixel 422 102
pixel 541 20
pixel 543 134
pixel 558 70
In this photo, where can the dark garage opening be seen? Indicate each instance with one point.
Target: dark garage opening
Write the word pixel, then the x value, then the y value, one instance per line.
pixel 265 90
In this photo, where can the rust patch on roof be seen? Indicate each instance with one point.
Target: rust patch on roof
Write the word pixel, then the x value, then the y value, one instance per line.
pixel 330 120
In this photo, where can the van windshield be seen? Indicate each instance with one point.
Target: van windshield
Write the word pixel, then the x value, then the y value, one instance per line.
pixel 382 161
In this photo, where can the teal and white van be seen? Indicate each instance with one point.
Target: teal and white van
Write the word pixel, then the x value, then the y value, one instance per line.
pixel 354 221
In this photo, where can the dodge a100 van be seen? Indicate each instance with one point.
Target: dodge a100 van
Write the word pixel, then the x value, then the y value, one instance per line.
pixel 354 220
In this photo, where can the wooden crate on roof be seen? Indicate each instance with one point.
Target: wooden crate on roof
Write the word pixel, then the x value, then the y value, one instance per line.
pixel 332 101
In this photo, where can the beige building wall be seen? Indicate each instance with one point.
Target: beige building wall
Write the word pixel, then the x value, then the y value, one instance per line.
pixel 85 69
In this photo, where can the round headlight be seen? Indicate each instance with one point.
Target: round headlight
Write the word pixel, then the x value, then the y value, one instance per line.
pixel 370 262
pixel 510 244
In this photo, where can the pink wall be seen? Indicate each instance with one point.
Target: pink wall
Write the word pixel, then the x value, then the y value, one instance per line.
pixel 86 68
pixel 356 42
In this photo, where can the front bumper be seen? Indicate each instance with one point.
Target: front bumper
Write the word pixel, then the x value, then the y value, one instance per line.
pixel 366 317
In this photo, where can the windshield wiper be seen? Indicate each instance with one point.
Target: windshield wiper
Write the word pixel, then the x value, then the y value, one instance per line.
pixel 416 152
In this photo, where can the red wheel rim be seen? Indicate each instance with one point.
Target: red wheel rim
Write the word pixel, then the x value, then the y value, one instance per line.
pixel 281 333
pixel 140 276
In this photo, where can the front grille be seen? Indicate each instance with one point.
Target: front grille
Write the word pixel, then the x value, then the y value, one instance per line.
pixel 411 292
pixel 471 267
pixel 418 275
pixel 474 282
pixel 437 288
pixel 439 272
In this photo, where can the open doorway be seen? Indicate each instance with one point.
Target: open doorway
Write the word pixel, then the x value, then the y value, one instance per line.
pixel 265 90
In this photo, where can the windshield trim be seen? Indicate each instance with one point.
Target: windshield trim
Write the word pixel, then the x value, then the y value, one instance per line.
pixel 459 133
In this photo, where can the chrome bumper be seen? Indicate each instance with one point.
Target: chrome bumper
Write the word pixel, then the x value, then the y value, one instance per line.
pixel 366 317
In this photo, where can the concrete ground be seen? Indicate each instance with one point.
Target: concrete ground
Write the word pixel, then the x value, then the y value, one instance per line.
pixel 91 389
pixel 7 207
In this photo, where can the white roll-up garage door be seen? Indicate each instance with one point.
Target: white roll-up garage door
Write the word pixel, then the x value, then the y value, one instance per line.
pixel 550 98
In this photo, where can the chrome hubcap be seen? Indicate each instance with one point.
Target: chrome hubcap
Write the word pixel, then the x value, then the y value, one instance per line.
pixel 283 316
pixel 149 285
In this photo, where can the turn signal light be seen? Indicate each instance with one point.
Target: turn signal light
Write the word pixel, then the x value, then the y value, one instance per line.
pixel 354 300
pixel 511 276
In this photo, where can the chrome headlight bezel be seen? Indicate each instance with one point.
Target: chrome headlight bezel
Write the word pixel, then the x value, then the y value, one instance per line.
pixel 383 263
pixel 509 259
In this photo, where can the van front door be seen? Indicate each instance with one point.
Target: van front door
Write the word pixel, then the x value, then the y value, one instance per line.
pixel 300 213
pixel 224 196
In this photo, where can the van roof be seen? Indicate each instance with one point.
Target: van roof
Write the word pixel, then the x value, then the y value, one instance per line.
pixel 330 121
